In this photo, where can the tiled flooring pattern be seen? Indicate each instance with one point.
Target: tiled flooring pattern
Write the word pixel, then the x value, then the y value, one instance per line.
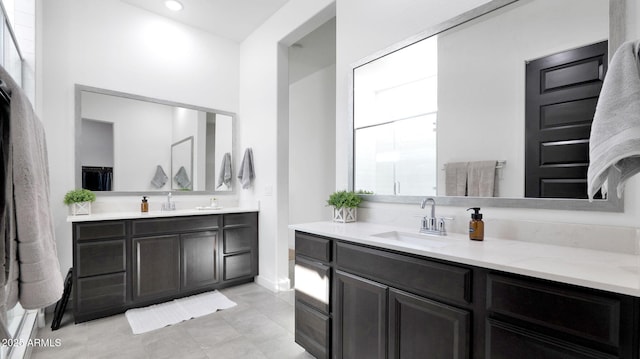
pixel 260 326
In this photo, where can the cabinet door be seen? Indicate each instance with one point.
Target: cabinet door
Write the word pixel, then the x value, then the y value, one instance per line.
pixel 199 259
pixel 156 262
pixel 423 328
pixel 360 318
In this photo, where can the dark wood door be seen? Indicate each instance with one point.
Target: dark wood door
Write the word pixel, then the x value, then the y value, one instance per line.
pixel 423 328
pixel 156 263
pixel 199 259
pixel 360 318
pixel 561 95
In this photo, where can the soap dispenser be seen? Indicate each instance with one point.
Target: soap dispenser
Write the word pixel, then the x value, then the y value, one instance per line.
pixel 476 225
pixel 144 206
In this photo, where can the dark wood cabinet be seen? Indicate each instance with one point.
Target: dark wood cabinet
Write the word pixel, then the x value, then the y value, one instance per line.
pixel 360 318
pixel 418 325
pixel 389 304
pixel 125 264
pixel 313 290
pixel 199 259
pixel 156 267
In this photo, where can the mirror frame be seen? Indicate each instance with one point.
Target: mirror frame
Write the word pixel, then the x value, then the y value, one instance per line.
pixel 78 118
pixel 612 204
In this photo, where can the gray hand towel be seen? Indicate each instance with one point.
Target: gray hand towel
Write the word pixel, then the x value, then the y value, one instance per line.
pixel 615 132
pixel 182 178
pixel 160 178
pixel 34 276
pixel 224 177
pixel 456 178
pixel 246 173
pixel 482 178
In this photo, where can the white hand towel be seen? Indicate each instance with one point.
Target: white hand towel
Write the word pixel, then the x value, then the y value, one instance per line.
pixel 482 178
pixel 456 178
pixel 160 178
pixel 615 132
pixel 182 178
pixel 246 173
pixel 224 177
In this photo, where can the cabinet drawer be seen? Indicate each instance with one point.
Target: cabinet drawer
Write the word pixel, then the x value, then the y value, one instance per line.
pixel 312 331
pixel 101 292
pixel 100 257
pixel 235 219
pixel 313 246
pixel 313 284
pixel 173 225
pixel 239 239
pixel 99 230
pixel 507 342
pixel 420 276
pixel 237 266
pixel 565 310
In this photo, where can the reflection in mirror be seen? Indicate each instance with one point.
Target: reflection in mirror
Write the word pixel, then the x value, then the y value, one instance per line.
pixel 456 94
pixel 129 143
pixel 182 165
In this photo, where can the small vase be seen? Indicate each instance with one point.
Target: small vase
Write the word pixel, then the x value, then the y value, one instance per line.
pixel 345 214
pixel 80 208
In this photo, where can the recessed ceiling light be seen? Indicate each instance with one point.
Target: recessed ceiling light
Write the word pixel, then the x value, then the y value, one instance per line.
pixel 173 5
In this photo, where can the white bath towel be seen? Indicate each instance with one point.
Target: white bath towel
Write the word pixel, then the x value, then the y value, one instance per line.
pixel 246 173
pixel 482 179
pixel 615 132
pixel 159 178
pixel 224 177
pixel 456 178
pixel 34 276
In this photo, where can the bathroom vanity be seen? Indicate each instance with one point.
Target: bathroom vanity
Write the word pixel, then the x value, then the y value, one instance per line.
pixel 133 260
pixel 362 295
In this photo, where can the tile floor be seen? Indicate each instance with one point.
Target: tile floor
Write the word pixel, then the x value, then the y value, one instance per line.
pixel 260 326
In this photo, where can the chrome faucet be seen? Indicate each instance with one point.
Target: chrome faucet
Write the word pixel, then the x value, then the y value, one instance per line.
pixel 168 205
pixel 432 225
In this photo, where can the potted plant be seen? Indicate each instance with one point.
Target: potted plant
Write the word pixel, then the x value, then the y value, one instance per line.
pixel 345 204
pixel 79 201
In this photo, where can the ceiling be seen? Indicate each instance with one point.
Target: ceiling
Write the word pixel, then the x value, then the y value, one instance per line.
pixel 231 19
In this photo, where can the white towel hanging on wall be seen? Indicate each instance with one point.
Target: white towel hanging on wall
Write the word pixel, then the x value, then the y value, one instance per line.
pixel 246 173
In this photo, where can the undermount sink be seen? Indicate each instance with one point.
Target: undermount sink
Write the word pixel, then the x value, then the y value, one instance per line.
pixel 425 240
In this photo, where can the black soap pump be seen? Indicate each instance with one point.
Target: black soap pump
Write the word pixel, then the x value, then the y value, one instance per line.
pixel 476 225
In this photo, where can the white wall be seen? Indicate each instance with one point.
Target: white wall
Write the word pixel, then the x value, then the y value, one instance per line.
pixel 311 147
pixel 264 125
pixel 365 27
pixel 113 45
pixel 97 144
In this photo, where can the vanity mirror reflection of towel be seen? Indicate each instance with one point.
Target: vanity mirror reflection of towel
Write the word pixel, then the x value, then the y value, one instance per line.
pixel 476 178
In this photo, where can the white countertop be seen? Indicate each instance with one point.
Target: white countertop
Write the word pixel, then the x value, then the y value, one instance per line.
pixel 155 214
pixel 610 271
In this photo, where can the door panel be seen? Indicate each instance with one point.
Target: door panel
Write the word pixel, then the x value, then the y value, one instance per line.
pixel 156 265
pixel 361 318
pixel 561 97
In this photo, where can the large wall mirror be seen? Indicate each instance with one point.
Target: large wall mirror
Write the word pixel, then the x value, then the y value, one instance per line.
pixel 127 144
pixel 455 94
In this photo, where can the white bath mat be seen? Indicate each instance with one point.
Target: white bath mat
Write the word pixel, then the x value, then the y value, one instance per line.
pixel 157 316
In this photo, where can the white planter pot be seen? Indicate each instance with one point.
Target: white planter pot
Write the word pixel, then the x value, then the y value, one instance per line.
pixel 345 215
pixel 80 208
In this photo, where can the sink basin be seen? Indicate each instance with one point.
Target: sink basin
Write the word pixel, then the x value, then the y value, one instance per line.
pixel 419 239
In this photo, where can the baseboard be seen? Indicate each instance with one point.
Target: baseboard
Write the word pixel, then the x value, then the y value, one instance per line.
pixel 280 286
